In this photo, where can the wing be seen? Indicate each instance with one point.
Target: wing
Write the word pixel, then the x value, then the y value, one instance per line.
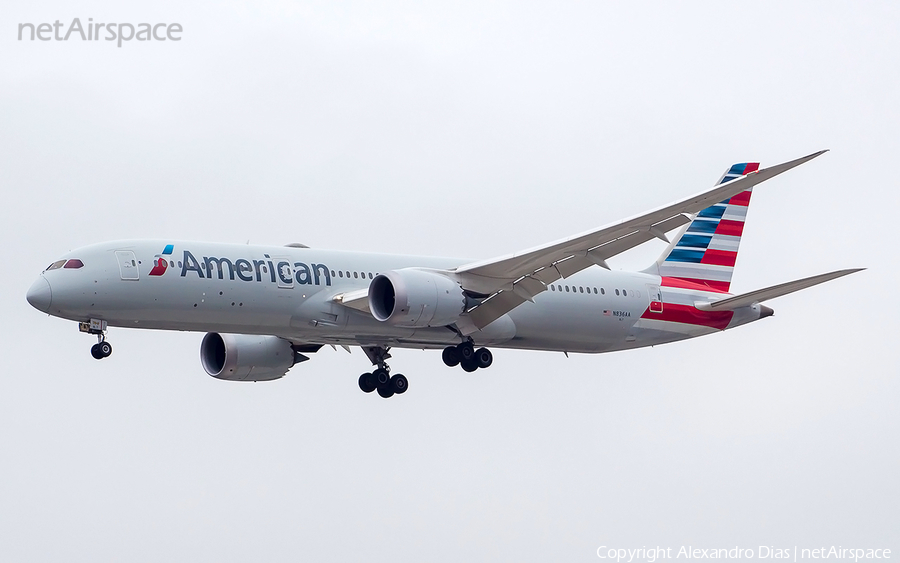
pixel 508 281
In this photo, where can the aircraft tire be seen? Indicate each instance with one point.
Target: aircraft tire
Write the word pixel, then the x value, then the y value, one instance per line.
pixel 386 391
pixel 469 365
pixel 466 351
pixel 450 355
pixel 105 349
pixel 382 377
pixel 399 384
pixel 484 358
pixel 95 352
pixel 367 382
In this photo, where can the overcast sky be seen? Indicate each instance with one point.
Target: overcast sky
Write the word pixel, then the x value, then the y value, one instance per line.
pixel 466 129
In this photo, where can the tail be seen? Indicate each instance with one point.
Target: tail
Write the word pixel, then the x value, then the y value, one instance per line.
pixel 705 251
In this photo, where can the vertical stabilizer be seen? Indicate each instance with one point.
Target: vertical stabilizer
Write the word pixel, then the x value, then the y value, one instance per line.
pixel 705 251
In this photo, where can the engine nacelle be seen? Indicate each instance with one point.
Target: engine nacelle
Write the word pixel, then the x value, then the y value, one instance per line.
pixel 415 298
pixel 244 357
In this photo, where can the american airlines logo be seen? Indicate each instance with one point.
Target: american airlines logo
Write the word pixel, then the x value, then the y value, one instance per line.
pixel 273 270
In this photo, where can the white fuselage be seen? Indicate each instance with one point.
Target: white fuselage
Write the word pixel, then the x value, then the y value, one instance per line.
pixel 289 292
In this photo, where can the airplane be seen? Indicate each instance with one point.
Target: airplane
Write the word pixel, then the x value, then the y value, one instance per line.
pixel 264 308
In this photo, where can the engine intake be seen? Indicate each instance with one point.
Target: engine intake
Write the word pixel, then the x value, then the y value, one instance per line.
pixel 244 357
pixel 415 298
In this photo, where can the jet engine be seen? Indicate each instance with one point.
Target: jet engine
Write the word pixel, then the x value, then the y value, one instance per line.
pixel 415 298
pixel 244 357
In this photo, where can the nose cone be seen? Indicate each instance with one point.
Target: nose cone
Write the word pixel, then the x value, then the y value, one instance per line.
pixel 39 295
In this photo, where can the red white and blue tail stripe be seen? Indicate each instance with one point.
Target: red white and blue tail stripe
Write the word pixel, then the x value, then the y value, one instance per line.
pixel 705 252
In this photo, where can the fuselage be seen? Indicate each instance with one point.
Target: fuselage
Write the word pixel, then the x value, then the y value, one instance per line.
pixel 290 292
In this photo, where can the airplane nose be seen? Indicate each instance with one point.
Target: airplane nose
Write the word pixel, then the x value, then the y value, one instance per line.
pixel 39 295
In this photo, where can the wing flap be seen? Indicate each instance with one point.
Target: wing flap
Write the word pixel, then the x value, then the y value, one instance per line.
pixel 492 309
pixel 358 299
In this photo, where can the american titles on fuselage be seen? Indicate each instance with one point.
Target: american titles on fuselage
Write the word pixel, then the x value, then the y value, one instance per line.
pixel 249 270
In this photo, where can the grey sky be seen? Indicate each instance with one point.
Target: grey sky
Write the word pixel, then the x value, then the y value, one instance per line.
pixel 470 130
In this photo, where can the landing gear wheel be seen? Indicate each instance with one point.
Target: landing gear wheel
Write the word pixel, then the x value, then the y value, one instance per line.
pixel 399 384
pixel 484 358
pixel 386 391
pixel 469 365
pixel 450 355
pixel 95 352
pixel 466 351
pixel 382 377
pixel 105 349
pixel 367 382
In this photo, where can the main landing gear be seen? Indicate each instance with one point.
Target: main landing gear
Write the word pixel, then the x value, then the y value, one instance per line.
pixel 467 356
pixel 102 349
pixel 381 379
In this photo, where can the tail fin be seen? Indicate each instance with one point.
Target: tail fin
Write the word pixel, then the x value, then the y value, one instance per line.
pixel 705 251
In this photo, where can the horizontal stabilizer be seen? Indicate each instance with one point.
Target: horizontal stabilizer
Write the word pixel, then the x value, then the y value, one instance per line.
pixel 760 295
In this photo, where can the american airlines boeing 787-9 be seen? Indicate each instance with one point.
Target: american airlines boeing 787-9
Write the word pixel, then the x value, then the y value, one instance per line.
pixel 265 307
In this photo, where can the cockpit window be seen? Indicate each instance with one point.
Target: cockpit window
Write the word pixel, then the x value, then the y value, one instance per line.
pixel 56 265
pixel 74 263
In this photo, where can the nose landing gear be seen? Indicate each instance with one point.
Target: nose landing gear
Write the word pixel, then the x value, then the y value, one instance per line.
pixel 102 349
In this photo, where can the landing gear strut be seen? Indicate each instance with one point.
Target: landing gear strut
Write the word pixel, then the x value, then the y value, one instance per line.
pixel 467 356
pixel 381 379
pixel 102 349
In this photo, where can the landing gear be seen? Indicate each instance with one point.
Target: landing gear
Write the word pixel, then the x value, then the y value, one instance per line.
pixel 450 355
pixel 466 356
pixel 102 349
pixel 367 382
pixel 381 379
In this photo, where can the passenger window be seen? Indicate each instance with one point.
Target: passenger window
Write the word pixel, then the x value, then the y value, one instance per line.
pixel 355 276
pixel 341 273
pixel 602 291
pixel 567 289
pixel 171 263
pixel 552 288
pixel 348 274
pixel 179 263
pixel 332 273
pixel 370 275
pixel 624 293
pixel 595 291
pixel 581 289
pixel 617 292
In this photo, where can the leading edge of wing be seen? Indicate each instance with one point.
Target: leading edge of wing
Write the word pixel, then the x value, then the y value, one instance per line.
pixel 487 276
